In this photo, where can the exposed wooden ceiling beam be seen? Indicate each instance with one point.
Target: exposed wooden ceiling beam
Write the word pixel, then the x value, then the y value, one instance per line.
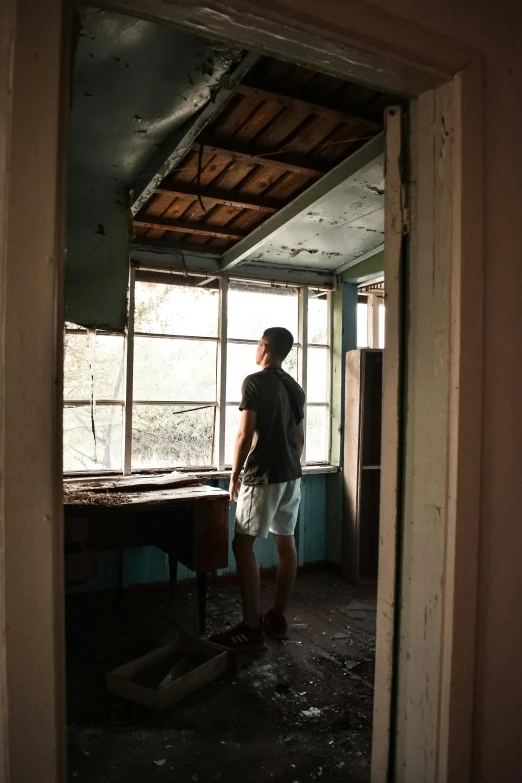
pixel 306 106
pixel 161 246
pixel 229 199
pixel 183 226
pixel 178 144
pixel 284 161
pixel 199 262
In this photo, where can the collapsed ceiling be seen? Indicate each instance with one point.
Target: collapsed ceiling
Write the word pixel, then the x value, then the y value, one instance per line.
pixel 207 156
pixel 282 130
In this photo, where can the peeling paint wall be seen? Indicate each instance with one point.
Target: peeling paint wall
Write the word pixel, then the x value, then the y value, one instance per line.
pixel 97 265
pixel 135 84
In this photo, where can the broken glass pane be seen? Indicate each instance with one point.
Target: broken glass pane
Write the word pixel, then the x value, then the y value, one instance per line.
pixel 80 451
pixel 108 366
pixel 171 436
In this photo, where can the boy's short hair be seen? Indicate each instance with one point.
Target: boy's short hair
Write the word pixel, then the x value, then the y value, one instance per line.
pixel 280 341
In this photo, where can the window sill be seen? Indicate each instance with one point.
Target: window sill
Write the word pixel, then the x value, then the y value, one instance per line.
pixel 308 470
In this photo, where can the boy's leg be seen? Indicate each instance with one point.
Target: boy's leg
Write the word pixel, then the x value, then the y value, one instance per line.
pixel 283 527
pixel 248 575
pixel 255 510
pixel 286 571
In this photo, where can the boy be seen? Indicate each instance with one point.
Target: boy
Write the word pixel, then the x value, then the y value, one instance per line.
pixel 270 439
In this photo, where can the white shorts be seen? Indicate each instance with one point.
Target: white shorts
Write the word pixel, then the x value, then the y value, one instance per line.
pixel 268 507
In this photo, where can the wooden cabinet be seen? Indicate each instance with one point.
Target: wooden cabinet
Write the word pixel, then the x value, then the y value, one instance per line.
pixel 362 464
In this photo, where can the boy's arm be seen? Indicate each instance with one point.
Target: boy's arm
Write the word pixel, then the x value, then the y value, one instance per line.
pixel 242 447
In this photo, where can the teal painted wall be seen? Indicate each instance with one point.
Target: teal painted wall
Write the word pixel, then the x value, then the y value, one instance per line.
pixel 344 339
pixel 148 564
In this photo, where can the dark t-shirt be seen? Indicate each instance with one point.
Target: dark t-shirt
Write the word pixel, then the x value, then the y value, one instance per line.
pixel 279 403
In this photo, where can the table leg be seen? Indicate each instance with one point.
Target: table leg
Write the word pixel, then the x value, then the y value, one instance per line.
pixel 173 573
pixel 202 600
pixel 120 576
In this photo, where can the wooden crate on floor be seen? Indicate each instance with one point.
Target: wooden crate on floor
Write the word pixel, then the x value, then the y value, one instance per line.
pixel 168 674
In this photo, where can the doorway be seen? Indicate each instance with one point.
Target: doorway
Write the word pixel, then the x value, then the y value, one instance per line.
pixel 253 209
pixel 460 99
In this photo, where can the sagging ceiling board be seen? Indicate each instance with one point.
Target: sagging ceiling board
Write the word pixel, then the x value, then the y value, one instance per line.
pixel 344 224
pixel 135 84
pixel 335 221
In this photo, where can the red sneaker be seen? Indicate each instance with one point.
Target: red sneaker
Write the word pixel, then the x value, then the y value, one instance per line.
pixel 275 625
pixel 241 638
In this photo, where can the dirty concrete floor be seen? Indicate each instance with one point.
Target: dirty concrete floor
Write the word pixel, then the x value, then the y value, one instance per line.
pixel 295 713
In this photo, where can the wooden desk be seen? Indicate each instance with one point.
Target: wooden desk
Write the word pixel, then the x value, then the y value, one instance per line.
pixel 190 524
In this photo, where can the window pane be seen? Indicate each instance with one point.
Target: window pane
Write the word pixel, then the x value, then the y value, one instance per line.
pixel 317 424
pixel 76 368
pixel 79 451
pixel 171 309
pixel 318 373
pixel 108 366
pixel 171 436
pixel 231 427
pixel 318 320
pixel 241 361
pixel 290 363
pixel 251 312
pixel 166 369
pixel 381 325
pixel 362 325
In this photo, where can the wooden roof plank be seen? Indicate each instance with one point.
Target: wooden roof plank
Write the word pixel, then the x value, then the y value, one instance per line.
pixel 260 157
pixel 236 114
pixel 220 196
pixel 299 104
pixel 264 114
pixel 185 227
pixel 171 244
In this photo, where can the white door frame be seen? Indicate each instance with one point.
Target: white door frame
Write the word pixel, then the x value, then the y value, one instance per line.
pixel 352 40
pixel 33 112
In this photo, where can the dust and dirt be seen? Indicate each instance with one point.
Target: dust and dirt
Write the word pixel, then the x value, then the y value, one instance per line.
pixel 295 713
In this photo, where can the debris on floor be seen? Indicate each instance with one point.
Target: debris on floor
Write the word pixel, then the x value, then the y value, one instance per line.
pixel 284 715
pixel 312 712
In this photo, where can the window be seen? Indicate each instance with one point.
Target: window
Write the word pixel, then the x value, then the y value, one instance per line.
pixel 154 401
pixel 93 400
pixel 318 379
pixel 174 375
pixel 370 321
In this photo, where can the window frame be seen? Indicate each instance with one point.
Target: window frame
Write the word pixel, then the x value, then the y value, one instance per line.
pixel 79 402
pixel 222 341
